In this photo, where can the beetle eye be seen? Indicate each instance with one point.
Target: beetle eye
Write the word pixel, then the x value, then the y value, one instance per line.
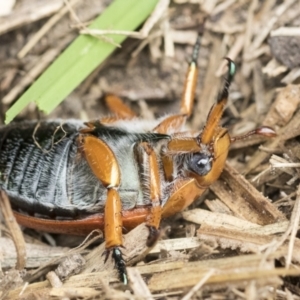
pixel 200 163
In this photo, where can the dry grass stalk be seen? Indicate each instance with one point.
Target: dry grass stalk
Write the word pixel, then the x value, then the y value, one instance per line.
pixel 14 230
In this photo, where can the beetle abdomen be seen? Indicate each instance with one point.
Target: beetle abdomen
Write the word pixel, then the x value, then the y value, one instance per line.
pixel 34 166
pixel 44 172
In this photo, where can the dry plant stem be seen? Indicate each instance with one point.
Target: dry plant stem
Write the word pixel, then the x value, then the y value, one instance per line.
pixel 138 285
pixel 259 90
pixel 286 31
pixel 35 12
pixel 198 286
pixel 183 36
pixel 41 269
pixel 244 199
pixel 274 68
pixel 182 279
pixel 232 53
pixel 176 244
pixel 280 10
pixel 54 279
pixel 36 255
pixel 208 95
pixel 254 240
pixel 194 271
pixel 169 44
pixel 266 175
pixel 287 132
pixel 74 293
pixel 8 79
pixel 209 6
pixel 264 49
pixel 70 7
pixel 15 231
pixel 45 28
pixel 291 76
pixel 249 26
pixel 55 282
pixel 291 231
pixel 218 207
pixel 286 165
pixel 222 6
pixel 201 216
pixel 156 15
pixel 152 36
pixel 39 67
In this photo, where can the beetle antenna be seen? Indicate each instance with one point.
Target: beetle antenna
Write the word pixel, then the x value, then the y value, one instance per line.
pixel 216 111
pixel 263 131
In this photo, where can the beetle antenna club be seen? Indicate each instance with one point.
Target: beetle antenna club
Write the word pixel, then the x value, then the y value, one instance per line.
pixel 265 131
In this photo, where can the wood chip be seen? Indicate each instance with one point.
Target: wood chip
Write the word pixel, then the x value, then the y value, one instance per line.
pixel 244 200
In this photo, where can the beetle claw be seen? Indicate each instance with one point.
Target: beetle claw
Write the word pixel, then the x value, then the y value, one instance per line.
pixel 106 254
pixel 153 236
pixel 119 262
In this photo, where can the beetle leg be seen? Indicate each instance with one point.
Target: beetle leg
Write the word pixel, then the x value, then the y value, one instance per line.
pixel 184 193
pixel 174 123
pixel 118 107
pixel 188 95
pixel 170 124
pixel 105 167
pixel 182 145
pixel 151 168
pixel 216 111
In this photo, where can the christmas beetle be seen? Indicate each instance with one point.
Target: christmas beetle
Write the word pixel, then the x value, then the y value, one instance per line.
pixel 113 173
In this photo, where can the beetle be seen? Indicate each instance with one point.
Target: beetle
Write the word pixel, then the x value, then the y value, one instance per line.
pixel 117 172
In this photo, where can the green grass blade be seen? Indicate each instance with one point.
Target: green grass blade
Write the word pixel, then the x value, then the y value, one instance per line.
pixel 82 56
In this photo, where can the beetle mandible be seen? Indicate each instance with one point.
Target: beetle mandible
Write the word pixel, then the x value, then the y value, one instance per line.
pixel 114 172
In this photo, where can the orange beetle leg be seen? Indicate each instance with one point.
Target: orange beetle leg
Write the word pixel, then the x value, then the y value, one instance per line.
pixel 170 124
pixel 101 160
pixel 187 100
pixel 104 165
pixel 216 111
pixel 118 107
pixel 188 96
pixel 185 192
pixel 113 219
pixel 83 226
pixel 168 167
pixel 154 217
pixel 90 127
pixel 174 123
pixel 183 145
pixel 109 120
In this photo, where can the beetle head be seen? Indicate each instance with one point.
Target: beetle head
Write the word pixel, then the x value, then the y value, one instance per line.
pixel 214 141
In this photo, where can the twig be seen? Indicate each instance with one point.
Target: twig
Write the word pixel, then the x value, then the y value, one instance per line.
pixel 190 294
pixel 280 10
pixel 47 26
pixel 15 230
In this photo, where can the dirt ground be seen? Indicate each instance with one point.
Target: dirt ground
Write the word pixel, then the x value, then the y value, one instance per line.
pixel 240 239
